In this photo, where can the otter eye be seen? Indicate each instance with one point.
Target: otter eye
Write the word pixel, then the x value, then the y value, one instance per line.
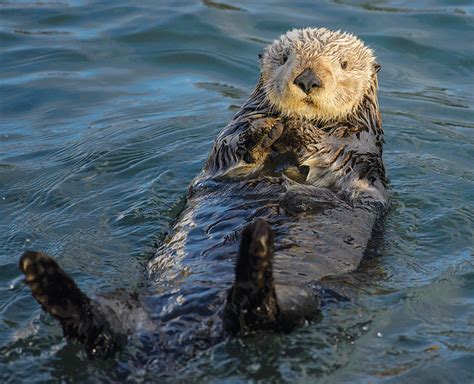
pixel 344 64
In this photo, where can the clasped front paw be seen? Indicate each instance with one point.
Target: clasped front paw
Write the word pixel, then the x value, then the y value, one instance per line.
pixel 262 134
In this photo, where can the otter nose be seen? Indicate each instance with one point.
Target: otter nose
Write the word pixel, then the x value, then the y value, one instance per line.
pixel 307 80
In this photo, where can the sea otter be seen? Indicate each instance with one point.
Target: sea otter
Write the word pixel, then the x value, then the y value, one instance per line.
pixel 289 195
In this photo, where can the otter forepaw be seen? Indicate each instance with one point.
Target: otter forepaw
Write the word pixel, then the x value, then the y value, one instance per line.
pixel 263 133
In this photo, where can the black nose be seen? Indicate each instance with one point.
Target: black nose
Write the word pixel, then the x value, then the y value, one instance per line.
pixel 307 80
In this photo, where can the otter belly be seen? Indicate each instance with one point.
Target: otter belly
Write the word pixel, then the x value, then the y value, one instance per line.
pixel 317 235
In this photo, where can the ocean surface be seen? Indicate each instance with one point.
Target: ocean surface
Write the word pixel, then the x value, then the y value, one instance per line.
pixel 108 110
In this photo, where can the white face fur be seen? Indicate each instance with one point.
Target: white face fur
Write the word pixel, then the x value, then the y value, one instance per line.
pixel 343 66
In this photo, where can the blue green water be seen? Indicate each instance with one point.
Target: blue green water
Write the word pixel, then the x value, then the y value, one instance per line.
pixel 108 110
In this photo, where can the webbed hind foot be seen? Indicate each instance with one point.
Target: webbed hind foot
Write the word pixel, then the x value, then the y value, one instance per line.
pixel 80 317
pixel 251 302
pixel 255 302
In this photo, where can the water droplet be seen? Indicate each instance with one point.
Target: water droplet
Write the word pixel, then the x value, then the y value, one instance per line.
pixel 254 368
pixel 379 334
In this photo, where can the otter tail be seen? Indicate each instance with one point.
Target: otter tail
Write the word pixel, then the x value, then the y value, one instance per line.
pixel 81 318
pixel 251 302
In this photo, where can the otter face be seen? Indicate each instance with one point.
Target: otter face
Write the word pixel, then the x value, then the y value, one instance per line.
pixel 317 74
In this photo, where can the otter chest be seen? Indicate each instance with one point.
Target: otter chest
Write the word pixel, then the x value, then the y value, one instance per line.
pixel 303 140
pixel 309 153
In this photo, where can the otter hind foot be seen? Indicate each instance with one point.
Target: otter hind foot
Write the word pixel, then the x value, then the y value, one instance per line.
pixel 255 302
pixel 81 318
pixel 52 287
pixel 251 302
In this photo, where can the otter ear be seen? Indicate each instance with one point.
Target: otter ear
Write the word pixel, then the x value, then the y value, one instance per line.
pixel 377 67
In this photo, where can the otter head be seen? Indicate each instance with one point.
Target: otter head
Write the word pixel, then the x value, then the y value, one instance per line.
pixel 317 74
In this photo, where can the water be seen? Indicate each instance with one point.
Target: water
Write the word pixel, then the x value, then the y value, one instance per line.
pixel 108 110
